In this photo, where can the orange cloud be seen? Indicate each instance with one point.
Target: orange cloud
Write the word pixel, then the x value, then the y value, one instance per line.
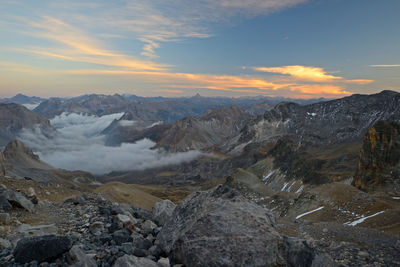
pixel 322 90
pixel 359 81
pixel 385 66
pixel 82 48
pixel 170 91
pixel 305 73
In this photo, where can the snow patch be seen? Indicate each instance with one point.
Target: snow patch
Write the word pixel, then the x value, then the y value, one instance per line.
pixel 363 219
pixel 300 189
pixel 309 212
pixel 266 177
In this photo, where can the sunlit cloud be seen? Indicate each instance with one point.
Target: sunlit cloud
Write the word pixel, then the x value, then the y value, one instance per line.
pixel 314 74
pixel 80 47
pixel 385 66
pixel 170 91
pixel 359 81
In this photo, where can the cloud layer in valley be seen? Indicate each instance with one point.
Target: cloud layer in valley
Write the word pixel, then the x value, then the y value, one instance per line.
pixel 79 145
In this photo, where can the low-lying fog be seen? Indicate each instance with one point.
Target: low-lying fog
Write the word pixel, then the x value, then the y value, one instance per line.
pixel 79 145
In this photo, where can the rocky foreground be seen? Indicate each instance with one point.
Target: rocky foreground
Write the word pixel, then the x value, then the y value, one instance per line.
pixel 218 227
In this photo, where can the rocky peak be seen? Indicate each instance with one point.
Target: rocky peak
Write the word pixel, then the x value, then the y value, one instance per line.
pixel 16 148
pixel 378 165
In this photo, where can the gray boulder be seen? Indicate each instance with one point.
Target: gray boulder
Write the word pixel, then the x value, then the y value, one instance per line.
pixel 222 228
pixel 132 261
pixel 162 211
pixel 41 248
pixel 80 259
pixel 17 199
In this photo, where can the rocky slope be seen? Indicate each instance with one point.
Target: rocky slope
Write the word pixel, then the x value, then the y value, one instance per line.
pixel 332 122
pixel 208 130
pixel 379 164
pixel 14 118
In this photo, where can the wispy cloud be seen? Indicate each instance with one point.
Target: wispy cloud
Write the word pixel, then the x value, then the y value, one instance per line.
pixel 80 47
pixel 385 66
pixel 314 74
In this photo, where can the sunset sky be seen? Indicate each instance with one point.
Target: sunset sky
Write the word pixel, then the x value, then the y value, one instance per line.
pixel 291 48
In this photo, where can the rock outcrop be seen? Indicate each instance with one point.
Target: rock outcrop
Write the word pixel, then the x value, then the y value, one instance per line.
pixel 14 118
pixel 217 228
pixel 379 164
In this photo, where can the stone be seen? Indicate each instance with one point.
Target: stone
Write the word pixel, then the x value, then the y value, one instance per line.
pixel 4 244
pixel 217 228
pixel 5 218
pixel 37 230
pixel 17 199
pixel 155 251
pixel 4 204
pixel 163 262
pixel 122 236
pixel 148 227
pixel 79 258
pixel 132 261
pixel 162 211
pixel 41 248
pixel 363 254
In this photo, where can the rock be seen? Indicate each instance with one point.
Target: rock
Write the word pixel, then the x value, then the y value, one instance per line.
pixel 379 163
pixel 163 262
pixel 5 218
pixel 37 230
pixel 162 211
pixel 155 251
pixel 79 258
pixel 363 254
pixel 132 261
pixel 148 227
pixel 122 236
pixel 32 196
pixel 4 244
pixel 41 248
pixel 80 200
pixel 217 228
pixel 17 199
pixel 4 204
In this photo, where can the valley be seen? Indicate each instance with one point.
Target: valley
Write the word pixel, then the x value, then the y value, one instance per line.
pixel 318 179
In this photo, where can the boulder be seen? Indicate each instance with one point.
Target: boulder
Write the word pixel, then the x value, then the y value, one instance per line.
pixel 41 248
pixel 17 199
pixel 80 259
pixel 222 228
pixel 132 261
pixel 122 236
pixel 162 211
pixel 5 218
pixel 4 204
pixel 5 244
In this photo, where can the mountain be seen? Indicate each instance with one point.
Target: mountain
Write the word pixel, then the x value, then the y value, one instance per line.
pixel 332 122
pixel 22 99
pixel 168 110
pixel 14 118
pixel 213 128
pixel 19 162
pixel 379 164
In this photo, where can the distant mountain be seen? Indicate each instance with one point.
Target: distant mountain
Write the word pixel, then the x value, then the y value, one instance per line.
pixel 22 99
pixel 15 117
pixel 163 109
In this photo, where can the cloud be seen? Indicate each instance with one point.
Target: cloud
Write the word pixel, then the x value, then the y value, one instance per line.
pixel 385 66
pixel 314 74
pixel 359 81
pixel 80 146
pixel 79 47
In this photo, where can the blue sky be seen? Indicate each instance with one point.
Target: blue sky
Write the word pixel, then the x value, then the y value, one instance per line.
pixel 292 48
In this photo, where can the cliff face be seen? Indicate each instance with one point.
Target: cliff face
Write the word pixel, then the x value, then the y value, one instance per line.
pixel 379 163
pixel 2 164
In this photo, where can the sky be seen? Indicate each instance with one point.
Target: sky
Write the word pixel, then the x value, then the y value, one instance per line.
pixel 289 48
